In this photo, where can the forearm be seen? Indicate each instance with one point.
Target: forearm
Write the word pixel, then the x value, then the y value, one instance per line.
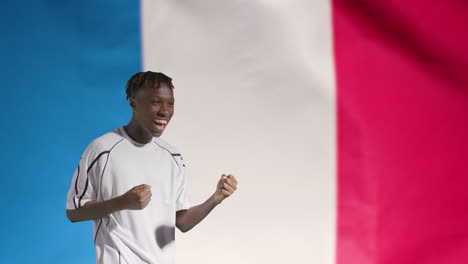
pixel 95 209
pixel 136 198
pixel 187 219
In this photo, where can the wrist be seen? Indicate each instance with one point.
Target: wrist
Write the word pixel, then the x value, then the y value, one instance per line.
pixel 217 198
pixel 118 203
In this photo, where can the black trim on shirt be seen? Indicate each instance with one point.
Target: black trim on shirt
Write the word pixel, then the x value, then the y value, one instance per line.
pixel 77 175
pixel 172 154
pixel 100 189
pixel 87 178
pixel 76 186
pixel 102 175
pixel 97 230
pixel 105 165
pixel 94 161
pixel 90 167
pixel 178 155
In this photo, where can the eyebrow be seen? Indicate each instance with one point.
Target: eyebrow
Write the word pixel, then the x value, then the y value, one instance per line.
pixel 157 97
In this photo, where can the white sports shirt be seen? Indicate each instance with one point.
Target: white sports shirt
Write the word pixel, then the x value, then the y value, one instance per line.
pixel 110 166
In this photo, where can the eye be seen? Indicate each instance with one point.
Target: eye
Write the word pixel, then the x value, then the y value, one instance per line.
pixel 171 103
pixel 157 102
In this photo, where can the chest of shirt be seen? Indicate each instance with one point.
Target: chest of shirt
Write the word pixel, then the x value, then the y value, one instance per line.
pixel 128 167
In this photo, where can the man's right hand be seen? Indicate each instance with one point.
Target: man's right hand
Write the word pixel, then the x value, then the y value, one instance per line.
pixel 136 198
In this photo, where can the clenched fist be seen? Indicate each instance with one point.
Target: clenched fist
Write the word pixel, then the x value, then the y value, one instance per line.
pixel 136 198
pixel 227 185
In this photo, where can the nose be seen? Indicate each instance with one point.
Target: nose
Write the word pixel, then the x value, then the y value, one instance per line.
pixel 164 110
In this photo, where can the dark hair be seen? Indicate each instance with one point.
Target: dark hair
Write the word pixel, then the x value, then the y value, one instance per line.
pixel 149 78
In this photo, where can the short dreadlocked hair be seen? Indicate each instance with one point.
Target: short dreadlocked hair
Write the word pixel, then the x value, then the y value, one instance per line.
pixel 149 78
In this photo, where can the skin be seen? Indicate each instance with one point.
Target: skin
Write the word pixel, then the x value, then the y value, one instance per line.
pixel 151 103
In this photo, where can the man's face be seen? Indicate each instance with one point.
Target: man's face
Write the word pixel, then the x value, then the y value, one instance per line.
pixel 153 108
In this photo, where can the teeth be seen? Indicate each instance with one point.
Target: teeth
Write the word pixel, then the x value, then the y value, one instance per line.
pixel 161 121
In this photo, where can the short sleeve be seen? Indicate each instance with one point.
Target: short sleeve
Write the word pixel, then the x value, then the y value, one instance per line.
pixel 182 201
pixel 84 187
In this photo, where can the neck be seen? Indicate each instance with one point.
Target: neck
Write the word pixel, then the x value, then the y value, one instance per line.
pixel 137 133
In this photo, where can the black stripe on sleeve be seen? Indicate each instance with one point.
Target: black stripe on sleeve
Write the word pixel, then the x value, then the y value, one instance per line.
pixel 87 178
pixel 84 191
pixel 91 166
pixel 76 182
pixel 105 166
pixel 76 185
pixel 97 230
pixel 102 176
pixel 96 159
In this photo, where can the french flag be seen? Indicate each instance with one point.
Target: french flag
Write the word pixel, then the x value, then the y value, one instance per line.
pixel 345 122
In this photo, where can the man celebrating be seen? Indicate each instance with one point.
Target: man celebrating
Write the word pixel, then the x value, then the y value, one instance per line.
pixel 133 184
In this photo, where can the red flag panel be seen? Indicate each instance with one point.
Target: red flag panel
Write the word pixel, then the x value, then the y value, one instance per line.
pixel 402 98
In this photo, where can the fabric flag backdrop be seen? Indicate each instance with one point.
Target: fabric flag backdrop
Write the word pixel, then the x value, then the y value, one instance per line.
pixel 344 122
pixel 402 126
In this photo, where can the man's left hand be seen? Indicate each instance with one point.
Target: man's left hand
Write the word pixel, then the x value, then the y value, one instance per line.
pixel 227 185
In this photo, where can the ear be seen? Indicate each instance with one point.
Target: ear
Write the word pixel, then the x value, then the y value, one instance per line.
pixel 132 102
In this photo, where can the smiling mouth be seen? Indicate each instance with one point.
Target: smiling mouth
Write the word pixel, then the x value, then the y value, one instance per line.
pixel 160 123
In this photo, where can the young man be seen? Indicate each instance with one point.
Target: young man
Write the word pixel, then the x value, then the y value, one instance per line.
pixel 133 184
